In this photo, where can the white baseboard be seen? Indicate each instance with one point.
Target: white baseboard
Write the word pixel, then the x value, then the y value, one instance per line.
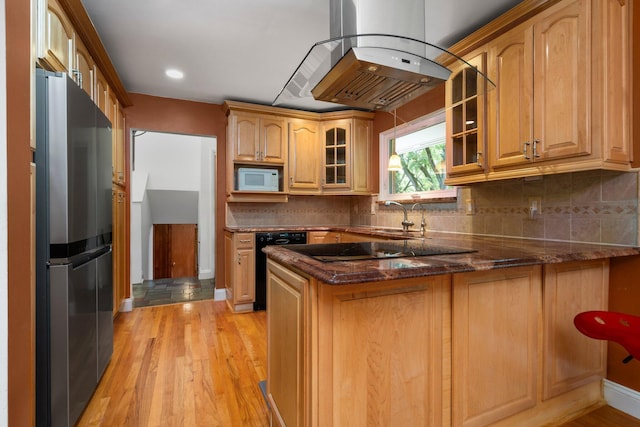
pixel 126 305
pixel 622 398
pixel 220 294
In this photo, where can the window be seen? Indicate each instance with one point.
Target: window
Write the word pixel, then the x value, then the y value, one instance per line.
pixel 421 147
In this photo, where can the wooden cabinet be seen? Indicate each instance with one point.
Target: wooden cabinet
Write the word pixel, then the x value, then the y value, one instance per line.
pixel 466 117
pixel 56 38
pixel 258 138
pixel 495 340
pixel 240 270
pixel 346 156
pixel 287 364
pixel 116 116
pixel 542 73
pixel 84 68
pixel 314 237
pixel 101 93
pixel 573 359
pixel 361 159
pixel 120 243
pixel 335 154
pixel 360 355
pixel 559 102
pixel 495 347
pixel 304 164
pixel 315 153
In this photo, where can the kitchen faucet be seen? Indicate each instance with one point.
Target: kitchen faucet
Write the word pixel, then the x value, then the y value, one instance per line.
pixel 405 222
pixel 423 223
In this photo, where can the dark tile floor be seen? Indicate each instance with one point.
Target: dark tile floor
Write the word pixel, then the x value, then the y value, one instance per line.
pixel 171 291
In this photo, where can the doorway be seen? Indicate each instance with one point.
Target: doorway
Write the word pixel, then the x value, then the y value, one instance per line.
pixel 175 248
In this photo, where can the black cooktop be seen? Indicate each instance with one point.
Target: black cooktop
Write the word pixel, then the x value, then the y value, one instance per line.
pixel 330 252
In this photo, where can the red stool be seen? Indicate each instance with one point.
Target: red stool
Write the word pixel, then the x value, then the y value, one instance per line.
pixel 608 325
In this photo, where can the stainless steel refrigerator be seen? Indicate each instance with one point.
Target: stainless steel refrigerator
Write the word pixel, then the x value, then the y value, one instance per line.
pixel 74 296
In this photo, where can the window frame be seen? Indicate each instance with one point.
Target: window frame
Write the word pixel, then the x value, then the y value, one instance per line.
pixel 422 122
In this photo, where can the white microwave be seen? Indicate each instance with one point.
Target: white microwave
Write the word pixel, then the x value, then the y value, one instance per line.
pixel 255 179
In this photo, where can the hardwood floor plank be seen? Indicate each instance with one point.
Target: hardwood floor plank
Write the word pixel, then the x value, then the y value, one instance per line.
pixel 194 364
pixel 198 364
pixel 605 416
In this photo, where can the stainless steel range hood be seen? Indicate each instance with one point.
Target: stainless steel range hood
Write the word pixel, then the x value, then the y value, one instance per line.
pixel 375 60
pixel 375 78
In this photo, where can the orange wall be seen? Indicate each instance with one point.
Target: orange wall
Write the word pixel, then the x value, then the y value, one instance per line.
pixel 21 295
pixel 186 117
pixel 624 297
pixel 383 121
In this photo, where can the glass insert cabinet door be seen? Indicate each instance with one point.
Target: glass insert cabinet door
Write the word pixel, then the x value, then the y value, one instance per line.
pixel 465 117
pixel 336 153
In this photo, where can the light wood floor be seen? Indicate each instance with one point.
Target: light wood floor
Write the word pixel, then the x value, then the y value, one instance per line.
pixel 193 364
pixel 197 364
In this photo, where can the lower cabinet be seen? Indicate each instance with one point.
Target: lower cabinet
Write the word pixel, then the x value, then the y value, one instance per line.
pixel 314 237
pixel 287 364
pixel 494 347
pixel 495 327
pixel 240 270
pixel 573 359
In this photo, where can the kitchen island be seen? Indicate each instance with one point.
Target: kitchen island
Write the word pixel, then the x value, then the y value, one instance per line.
pixel 472 339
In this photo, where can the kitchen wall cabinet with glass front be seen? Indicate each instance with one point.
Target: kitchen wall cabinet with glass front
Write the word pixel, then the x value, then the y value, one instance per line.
pixel 346 156
pixel 561 101
pixel 466 118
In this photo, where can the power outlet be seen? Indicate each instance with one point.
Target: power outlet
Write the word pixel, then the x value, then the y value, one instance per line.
pixel 469 207
pixel 535 207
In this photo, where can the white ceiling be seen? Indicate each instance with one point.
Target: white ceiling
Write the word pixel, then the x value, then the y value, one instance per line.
pixel 239 49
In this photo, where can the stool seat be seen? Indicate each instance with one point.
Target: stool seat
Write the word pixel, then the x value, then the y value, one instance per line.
pixel 609 325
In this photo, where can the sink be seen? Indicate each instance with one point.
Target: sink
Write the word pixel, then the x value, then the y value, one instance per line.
pixel 396 232
pixel 331 252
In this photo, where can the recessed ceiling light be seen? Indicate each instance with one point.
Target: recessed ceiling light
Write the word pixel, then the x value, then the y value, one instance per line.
pixel 174 74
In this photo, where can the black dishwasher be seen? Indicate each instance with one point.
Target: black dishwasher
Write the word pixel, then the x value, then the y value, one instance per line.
pixel 263 240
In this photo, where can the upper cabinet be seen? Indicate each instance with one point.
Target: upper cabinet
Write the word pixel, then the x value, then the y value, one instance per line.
pixel 56 38
pixel 346 156
pixel 466 117
pixel 304 165
pixel 542 73
pixel 559 102
pixel 336 156
pixel 84 70
pixel 257 138
pixel 314 153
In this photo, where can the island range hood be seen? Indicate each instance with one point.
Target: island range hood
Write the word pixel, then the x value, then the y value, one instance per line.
pixel 375 60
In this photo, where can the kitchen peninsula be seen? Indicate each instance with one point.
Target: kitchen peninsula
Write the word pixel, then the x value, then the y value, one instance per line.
pixel 470 339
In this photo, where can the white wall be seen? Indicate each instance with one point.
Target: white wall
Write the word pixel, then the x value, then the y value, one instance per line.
pixel 173 179
pixel 4 281
pixel 171 160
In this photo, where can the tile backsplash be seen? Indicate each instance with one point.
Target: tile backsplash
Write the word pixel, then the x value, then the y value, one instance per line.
pixel 592 206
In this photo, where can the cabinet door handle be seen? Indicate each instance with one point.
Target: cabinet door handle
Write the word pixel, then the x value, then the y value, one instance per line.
pixel 524 151
pixel 78 76
pixel 257 155
pixel 535 148
pixel 478 161
pixel 245 240
pixel 290 180
pixel 239 259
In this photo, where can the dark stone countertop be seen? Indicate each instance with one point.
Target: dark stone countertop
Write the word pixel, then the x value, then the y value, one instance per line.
pixel 491 253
